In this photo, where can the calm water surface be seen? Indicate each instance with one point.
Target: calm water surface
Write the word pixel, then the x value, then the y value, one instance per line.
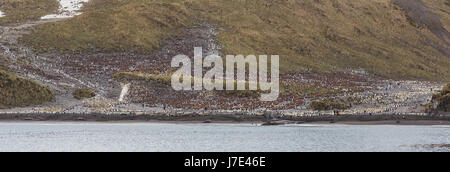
pixel 218 137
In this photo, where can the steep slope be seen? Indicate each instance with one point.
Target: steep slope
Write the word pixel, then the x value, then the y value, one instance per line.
pixel 422 16
pixel 311 36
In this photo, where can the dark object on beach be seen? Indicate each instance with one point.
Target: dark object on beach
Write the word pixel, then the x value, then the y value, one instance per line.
pixel 207 121
pixel 282 122
pixel 336 113
pixel 398 122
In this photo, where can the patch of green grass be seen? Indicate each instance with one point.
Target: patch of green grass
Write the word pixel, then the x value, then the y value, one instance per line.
pixel 322 105
pixel 444 103
pixel 17 92
pixel 440 101
pixel 17 11
pixel 84 93
pixel 307 90
pixel 309 35
pixel 166 80
pixel 129 76
pixel 239 93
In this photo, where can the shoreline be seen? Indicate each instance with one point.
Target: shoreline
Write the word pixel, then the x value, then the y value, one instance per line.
pixel 386 119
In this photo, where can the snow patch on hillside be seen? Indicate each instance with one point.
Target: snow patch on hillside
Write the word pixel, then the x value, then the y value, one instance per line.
pixel 68 8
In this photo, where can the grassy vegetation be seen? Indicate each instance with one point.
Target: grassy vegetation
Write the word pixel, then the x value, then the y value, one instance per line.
pixel 84 93
pixel 247 93
pixel 16 91
pixel 135 76
pixel 322 105
pixel 307 90
pixel 309 35
pixel 440 101
pixel 240 93
pixel 137 25
pixel 327 36
pixel 442 8
pixel 166 80
pixel 17 11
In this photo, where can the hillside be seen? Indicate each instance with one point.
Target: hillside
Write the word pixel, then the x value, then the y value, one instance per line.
pixel 17 11
pixel 16 91
pixel 381 37
pixel 374 56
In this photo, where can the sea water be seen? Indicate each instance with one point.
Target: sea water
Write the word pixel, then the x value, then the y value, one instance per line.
pixel 49 136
